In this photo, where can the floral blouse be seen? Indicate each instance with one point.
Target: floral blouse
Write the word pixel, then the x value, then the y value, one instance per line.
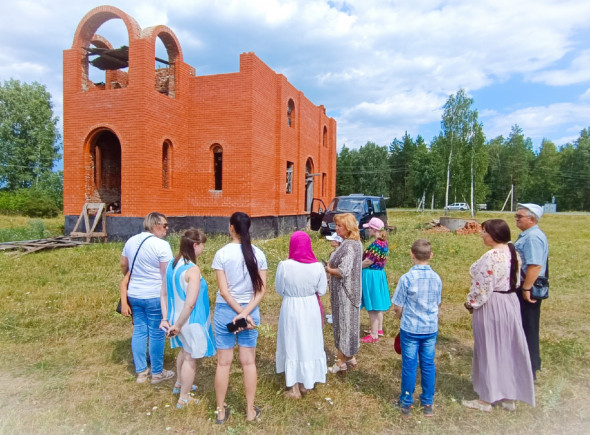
pixel 488 274
pixel 377 252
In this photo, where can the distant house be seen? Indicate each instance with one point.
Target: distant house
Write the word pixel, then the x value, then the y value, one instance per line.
pixel 155 136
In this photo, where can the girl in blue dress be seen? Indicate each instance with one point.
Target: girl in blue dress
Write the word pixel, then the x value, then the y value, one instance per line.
pixel 376 298
pixel 185 305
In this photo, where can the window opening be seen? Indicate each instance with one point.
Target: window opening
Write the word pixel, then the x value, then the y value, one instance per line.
pixel 218 167
pixel 289 187
pixel 290 113
pixel 325 137
pixel 166 164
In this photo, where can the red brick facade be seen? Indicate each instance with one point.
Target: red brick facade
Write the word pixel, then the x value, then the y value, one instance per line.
pixel 148 137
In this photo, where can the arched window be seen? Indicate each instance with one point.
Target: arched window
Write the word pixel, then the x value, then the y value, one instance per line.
pixel 290 113
pixel 325 136
pixel 218 166
pixel 166 165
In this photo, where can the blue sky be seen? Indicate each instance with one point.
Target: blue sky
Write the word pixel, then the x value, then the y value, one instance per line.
pixel 380 68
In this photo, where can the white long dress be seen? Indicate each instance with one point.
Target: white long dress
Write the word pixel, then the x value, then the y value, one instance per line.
pixel 300 341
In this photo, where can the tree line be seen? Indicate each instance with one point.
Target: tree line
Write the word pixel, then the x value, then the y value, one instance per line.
pixel 460 165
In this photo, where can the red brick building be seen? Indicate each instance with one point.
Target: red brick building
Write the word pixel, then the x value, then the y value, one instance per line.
pixel 196 148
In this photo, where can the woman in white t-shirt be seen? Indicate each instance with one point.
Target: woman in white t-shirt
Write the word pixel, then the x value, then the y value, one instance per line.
pixel 146 255
pixel 241 269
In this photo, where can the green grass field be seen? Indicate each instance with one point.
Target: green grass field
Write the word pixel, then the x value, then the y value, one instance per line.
pixel 65 360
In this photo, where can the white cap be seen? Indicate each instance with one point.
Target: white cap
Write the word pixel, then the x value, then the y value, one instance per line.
pixel 334 238
pixel 537 210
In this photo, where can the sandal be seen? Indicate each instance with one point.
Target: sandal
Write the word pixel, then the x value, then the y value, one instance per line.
pixel 176 389
pixel 336 368
pixel 477 404
pixel 184 402
pixel 164 376
pixel 369 339
pixel 142 377
pixel 352 363
pixel 509 405
pixel 379 333
pixel 225 417
pixel 257 416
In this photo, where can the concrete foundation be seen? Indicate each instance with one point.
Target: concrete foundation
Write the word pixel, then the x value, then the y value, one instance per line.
pixel 120 228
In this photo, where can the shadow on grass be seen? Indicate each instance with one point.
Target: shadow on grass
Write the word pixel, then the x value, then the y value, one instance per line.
pixel 122 354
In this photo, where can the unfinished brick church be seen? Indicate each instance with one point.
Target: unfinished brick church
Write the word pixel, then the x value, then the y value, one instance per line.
pixel 153 135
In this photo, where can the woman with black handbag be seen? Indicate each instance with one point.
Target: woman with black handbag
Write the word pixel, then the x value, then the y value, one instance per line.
pixel 145 257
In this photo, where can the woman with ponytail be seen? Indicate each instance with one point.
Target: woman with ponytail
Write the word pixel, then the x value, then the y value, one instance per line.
pixel 500 349
pixel 240 268
pixel 185 310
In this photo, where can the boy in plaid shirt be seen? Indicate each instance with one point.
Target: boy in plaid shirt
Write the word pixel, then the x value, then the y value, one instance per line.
pixel 416 301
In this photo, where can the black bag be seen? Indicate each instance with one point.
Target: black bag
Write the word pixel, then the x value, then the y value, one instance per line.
pixel 118 309
pixel 540 288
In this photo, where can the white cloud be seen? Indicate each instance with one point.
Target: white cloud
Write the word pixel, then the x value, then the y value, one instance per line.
pixel 564 120
pixel 578 72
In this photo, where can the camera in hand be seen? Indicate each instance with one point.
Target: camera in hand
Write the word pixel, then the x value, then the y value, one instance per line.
pixel 240 323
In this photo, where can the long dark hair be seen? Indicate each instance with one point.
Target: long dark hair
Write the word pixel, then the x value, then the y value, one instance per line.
pixel 187 240
pixel 241 223
pixel 499 231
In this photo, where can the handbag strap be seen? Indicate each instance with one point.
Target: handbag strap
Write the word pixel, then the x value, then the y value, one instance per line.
pixel 137 252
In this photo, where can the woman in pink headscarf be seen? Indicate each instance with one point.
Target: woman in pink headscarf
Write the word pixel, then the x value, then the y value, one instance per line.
pixel 300 341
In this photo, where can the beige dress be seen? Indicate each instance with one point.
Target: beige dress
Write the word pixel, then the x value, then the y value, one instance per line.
pixel 345 296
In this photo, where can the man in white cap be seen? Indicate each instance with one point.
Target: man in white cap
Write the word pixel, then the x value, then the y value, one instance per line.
pixel 533 249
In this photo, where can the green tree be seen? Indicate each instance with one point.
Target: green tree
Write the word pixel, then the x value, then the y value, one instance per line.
pixel 345 183
pixel 478 160
pixel 28 134
pixel 495 178
pixel 457 130
pixel 575 170
pixel 372 170
pixel 422 172
pixel 545 178
pixel 518 157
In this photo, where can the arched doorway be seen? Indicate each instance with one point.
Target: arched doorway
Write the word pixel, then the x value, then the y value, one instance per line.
pixel 103 181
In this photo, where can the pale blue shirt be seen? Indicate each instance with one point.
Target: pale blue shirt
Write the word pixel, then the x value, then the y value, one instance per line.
pixel 419 293
pixel 533 249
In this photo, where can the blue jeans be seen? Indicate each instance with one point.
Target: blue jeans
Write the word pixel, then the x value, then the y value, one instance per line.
pixel 414 346
pixel 147 315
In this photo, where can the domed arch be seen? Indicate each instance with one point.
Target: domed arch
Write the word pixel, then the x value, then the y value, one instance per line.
pixel 165 78
pixel 96 18
pixel 86 36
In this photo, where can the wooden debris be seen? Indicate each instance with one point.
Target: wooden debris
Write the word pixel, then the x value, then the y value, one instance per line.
pixel 28 246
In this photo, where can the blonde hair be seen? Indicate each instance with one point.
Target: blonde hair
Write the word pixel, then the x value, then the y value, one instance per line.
pixel 153 219
pixel 348 221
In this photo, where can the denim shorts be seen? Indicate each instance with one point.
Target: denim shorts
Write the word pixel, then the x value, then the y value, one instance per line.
pixel 224 339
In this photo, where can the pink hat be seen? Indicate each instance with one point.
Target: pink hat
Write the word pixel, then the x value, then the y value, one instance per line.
pixel 375 223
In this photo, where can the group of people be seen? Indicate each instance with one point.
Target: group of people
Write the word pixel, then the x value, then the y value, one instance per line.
pixel 168 298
